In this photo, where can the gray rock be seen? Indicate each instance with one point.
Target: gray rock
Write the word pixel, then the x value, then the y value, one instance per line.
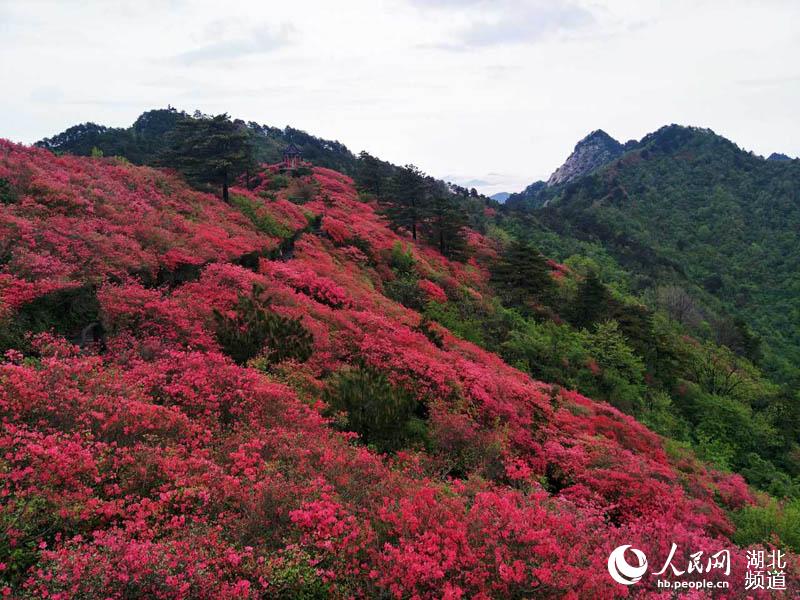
pixel 592 152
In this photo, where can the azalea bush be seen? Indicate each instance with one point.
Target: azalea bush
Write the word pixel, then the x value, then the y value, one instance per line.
pixel 309 436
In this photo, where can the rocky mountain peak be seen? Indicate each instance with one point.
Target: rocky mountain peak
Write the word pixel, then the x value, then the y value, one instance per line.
pixel 592 152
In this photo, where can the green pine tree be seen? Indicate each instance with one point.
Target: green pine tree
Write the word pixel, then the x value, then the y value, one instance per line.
pixel 592 302
pixel 408 192
pixel 522 275
pixel 209 150
pixel 445 225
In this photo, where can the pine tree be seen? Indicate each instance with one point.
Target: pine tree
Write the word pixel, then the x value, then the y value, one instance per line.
pixel 592 302
pixel 445 225
pixel 372 175
pixel 209 150
pixel 522 275
pixel 409 192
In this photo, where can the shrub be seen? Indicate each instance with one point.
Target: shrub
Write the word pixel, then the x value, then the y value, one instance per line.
pixel 301 191
pixel 401 259
pixel 257 214
pixel 385 416
pixel 762 524
pixel 255 331
pixel 301 171
pixel 406 291
pixel 7 194
pixel 293 577
pixel 67 312
pixel 278 182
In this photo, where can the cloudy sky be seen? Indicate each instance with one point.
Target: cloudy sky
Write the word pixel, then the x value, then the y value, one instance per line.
pixel 490 93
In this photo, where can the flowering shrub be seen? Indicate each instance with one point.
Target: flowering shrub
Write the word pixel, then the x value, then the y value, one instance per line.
pixel 432 291
pixel 159 467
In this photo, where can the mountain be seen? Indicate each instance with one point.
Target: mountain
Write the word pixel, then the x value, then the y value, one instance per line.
pixel 778 156
pixel 500 196
pixel 260 399
pixel 592 152
pixel 142 142
pixel 687 207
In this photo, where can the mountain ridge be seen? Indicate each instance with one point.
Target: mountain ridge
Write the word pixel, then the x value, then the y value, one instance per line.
pixel 699 179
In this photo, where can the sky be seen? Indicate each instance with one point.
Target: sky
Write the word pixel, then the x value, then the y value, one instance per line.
pixel 486 93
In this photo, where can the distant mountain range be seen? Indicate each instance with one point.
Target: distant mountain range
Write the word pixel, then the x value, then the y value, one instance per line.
pixel 591 153
pixel 500 196
pixel 688 207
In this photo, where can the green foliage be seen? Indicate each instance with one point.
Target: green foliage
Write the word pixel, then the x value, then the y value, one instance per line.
pixel 34 520
pixel 294 577
pixel 688 208
pixel 7 193
pixel 660 415
pixel 255 331
pixel 522 275
pixel 301 171
pixel 591 302
pixel 301 191
pixel 444 225
pixel 464 318
pixel 621 373
pixel 408 191
pixel 372 175
pixel 278 182
pixel 66 312
pixel 261 218
pixel 402 260
pixel 405 290
pixel 147 138
pixel 776 523
pixel 209 150
pixel 386 417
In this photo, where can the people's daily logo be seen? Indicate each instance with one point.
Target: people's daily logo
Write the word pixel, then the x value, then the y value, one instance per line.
pixel 766 570
pixel 621 570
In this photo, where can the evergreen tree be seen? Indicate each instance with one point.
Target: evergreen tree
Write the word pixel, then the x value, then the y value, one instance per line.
pixel 522 274
pixel 372 174
pixel 592 302
pixel 409 192
pixel 209 150
pixel 445 224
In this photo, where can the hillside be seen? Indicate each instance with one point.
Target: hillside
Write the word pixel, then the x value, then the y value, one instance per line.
pixel 199 442
pixel 146 138
pixel 686 207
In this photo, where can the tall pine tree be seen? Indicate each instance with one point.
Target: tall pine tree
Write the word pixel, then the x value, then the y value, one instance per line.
pixel 209 150
pixel 522 275
pixel 372 174
pixel 445 224
pixel 409 192
pixel 592 302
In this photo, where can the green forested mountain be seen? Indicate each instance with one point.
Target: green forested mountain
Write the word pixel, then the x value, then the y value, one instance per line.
pixel 143 142
pixel 701 226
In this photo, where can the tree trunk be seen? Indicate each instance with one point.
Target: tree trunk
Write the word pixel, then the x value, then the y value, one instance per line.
pixel 225 188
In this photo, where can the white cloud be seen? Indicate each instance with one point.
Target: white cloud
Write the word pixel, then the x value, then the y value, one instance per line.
pixel 529 80
pixel 258 40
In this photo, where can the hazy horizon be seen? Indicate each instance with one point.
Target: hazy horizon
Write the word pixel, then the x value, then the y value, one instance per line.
pixel 486 94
